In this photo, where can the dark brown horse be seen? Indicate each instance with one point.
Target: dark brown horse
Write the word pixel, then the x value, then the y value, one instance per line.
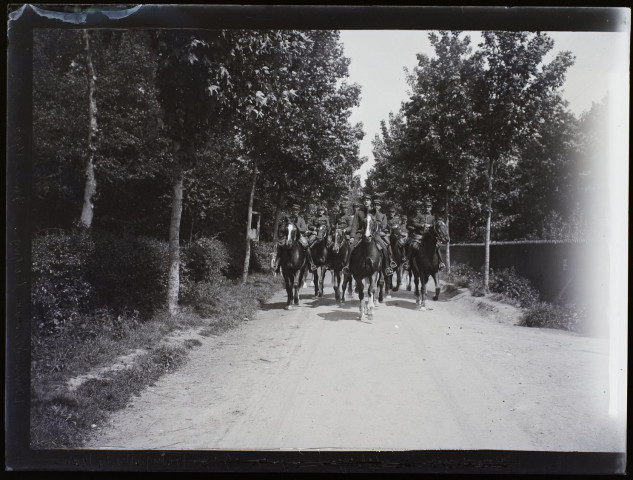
pixel 425 262
pixel 292 262
pixel 397 239
pixel 320 254
pixel 339 253
pixel 366 263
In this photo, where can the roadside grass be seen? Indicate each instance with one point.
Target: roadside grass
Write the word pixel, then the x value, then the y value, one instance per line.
pixel 507 286
pixel 64 417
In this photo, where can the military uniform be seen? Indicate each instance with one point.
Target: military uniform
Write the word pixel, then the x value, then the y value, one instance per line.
pixel 393 222
pixel 383 232
pixel 315 223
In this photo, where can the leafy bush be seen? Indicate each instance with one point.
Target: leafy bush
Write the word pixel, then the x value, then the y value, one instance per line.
pixel 206 260
pixel 565 317
pixel 507 283
pixel 261 255
pixel 60 289
pixel 129 273
pixel 463 275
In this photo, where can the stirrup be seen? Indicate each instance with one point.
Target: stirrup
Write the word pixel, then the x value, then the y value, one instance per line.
pixel 442 265
pixel 388 271
pixel 313 267
pixel 393 264
pixel 345 270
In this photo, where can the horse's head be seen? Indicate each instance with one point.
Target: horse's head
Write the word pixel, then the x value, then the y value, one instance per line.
pixel 321 232
pixel 400 234
pixel 371 227
pixel 339 239
pixel 441 230
pixel 288 235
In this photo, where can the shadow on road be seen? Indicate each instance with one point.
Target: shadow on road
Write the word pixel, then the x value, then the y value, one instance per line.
pixel 273 306
pixel 337 316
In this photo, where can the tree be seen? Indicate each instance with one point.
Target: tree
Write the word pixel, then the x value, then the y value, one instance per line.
pixel 206 78
pixel 512 86
pixel 440 118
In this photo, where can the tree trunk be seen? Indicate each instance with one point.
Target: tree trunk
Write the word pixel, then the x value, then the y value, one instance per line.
pixel 448 231
pixel 90 187
pixel 247 253
pixel 488 222
pixel 173 281
pixel 280 199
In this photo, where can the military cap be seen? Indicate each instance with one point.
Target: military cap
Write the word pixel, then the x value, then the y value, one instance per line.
pixel 378 201
pixel 418 203
pixel 392 208
pixel 427 201
pixel 296 207
pixel 366 196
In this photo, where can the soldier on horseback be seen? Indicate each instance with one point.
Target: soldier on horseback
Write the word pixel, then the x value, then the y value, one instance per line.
pixel 419 225
pixel 315 222
pixel 300 223
pixel 393 220
pixel 383 231
pixel 359 224
pixel 344 221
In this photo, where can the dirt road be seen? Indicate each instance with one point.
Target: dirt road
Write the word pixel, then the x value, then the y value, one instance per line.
pixel 458 376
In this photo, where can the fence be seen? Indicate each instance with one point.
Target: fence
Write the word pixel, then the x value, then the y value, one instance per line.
pixel 560 271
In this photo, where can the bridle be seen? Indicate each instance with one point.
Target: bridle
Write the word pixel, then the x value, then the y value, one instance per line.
pixel 339 240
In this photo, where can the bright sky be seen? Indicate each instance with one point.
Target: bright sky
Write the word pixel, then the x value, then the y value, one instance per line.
pixel 378 57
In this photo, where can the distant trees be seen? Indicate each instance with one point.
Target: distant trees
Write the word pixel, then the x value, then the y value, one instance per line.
pixel 486 135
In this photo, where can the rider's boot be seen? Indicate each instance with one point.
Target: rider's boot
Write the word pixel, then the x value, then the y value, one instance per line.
pixel 405 263
pixel 313 267
pixel 392 264
pixel 439 255
pixel 276 264
pixel 345 269
pixel 386 258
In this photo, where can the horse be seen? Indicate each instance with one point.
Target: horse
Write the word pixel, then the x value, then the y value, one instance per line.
pixel 366 262
pixel 339 253
pixel 397 239
pixel 292 260
pixel 425 261
pixel 320 253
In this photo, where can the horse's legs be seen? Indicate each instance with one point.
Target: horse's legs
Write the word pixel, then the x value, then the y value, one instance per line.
pixel 297 282
pixel 361 295
pixel 381 286
pixel 315 282
pixel 398 272
pixel 425 279
pixel 322 280
pixel 288 280
pixel 344 282
pixel 336 281
pixel 436 276
pixel 416 281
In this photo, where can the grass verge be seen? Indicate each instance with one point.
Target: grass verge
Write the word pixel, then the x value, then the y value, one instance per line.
pixel 63 417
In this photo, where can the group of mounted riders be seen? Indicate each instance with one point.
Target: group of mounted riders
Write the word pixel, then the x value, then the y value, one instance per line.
pixel 407 232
